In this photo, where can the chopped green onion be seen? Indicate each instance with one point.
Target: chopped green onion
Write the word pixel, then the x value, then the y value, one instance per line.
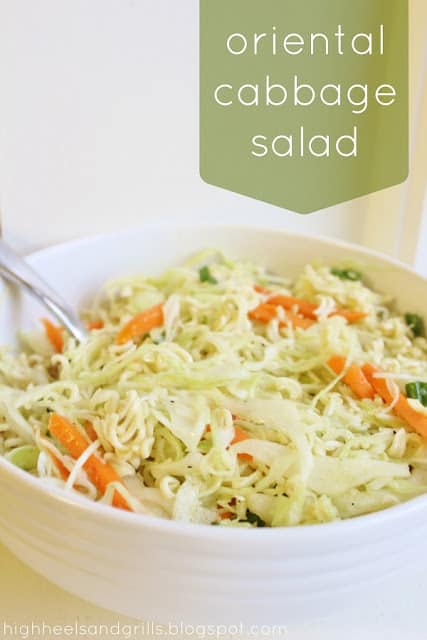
pixel 347 274
pixel 24 457
pixel 204 446
pixel 206 276
pixel 417 391
pixel 253 518
pixel 415 323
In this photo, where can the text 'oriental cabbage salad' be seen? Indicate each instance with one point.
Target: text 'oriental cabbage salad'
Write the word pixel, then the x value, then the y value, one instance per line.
pixel 219 393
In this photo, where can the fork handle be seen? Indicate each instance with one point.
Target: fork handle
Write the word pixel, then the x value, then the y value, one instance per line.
pixel 18 272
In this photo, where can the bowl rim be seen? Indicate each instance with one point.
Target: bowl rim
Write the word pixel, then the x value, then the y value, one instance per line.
pixel 289 534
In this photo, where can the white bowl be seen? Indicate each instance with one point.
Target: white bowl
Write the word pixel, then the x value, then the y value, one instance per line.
pixel 171 571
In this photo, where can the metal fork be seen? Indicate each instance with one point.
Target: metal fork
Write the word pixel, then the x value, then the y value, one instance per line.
pixel 18 272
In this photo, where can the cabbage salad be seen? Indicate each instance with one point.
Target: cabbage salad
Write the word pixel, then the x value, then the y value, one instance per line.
pixel 223 394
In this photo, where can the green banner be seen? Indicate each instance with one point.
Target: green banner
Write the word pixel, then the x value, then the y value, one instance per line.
pixel 304 103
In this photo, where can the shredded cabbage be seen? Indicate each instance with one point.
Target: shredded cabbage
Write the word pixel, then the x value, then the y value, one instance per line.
pixel 166 407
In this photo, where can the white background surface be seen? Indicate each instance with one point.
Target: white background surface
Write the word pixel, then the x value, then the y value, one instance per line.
pixel 98 130
pixel 98 121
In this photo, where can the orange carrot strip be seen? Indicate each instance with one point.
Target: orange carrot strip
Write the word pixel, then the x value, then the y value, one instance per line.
pixel 240 435
pixel 289 303
pixel 90 430
pixel 245 456
pixel 415 419
pixel 380 384
pixel 351 316
pixel 296 321
pixel 141 323
pixel 54 335
pixel 95 324
pixel 308 309
pixel 355 378
pixel 263 313
pixel 260 289
pixel 63 471
pixel 99 472
pixel 266 312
